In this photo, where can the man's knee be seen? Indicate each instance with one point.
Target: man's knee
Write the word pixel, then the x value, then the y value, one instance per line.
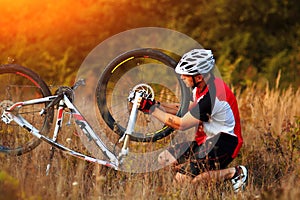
pixel 166 158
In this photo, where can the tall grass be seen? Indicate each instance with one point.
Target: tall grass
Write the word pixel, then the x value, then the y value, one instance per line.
pixel 271 131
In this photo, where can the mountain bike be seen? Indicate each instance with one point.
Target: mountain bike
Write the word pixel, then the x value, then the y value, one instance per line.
pixel 28 108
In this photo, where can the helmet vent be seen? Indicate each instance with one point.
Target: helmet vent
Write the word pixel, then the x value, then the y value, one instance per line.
pixel 196 61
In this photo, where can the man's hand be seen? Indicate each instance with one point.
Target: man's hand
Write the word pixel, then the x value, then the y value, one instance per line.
pixel 147 105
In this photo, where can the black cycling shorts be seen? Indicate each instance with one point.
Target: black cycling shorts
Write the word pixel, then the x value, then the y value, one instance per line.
pixel 215 153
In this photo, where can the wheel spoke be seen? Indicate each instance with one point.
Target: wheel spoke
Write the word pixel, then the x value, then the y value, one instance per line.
pixel 21 84
pixel 145 66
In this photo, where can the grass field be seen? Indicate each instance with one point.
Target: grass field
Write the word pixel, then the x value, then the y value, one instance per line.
pixel 271 131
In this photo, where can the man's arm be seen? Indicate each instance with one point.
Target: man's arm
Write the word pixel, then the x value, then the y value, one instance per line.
pixel 171 108
pixel 180 123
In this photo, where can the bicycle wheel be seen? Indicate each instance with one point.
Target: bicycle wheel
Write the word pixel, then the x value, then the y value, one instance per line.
pixel 149 66
pixel 17 84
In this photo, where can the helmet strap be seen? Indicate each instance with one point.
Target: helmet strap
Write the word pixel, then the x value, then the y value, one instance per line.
pixel 195 84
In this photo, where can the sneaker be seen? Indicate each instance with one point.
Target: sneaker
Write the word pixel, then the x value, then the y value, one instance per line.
pixel 239 180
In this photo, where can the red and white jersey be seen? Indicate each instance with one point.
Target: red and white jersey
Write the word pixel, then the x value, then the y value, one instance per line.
pixel 217 108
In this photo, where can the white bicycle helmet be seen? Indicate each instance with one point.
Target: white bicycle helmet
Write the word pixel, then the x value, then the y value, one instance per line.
pixel 196 61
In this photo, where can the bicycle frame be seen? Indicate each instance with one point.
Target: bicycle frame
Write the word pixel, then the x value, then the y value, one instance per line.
pixel 63 98
pixel 10 115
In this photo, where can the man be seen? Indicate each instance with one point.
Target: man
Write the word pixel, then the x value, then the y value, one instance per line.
pixel 214 113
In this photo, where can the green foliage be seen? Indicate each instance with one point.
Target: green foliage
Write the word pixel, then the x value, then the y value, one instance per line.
pixel 252 40
pixel 248 35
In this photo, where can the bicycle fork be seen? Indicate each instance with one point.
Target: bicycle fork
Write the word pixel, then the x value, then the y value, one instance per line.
pixel 130 128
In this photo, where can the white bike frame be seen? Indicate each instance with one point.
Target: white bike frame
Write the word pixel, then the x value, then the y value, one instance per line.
pixel 11 114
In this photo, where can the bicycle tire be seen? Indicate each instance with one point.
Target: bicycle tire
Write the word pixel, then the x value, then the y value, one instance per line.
pixel 119 67
pixel 19 84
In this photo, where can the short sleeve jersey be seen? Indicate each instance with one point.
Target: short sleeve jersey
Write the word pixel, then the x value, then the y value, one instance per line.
pixel 217 108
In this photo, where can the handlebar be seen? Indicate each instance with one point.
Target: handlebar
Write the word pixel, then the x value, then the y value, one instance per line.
pixel 80 82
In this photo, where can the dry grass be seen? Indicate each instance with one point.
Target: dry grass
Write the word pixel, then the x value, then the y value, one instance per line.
pixel 270 121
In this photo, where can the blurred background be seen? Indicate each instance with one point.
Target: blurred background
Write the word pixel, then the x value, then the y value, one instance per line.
pixel 253 42
pixel 257 49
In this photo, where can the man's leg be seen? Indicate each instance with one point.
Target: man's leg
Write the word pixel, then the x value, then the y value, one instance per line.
pixel 179 151
pixel 216 175
pixel 182 178
pixel 165 158
pixel 238 176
